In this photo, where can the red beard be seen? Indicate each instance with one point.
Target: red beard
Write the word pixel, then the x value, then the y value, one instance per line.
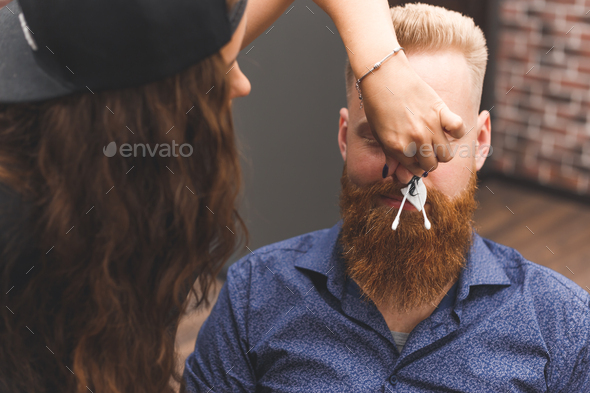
pixel 411 266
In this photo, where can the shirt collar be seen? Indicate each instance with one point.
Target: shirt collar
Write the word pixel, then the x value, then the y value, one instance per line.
pixel 482 267
pixel 324 258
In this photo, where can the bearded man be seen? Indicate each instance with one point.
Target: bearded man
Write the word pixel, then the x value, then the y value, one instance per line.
pixel 361 307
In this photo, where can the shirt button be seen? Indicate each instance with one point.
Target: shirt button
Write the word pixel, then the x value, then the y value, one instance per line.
pixel 393 380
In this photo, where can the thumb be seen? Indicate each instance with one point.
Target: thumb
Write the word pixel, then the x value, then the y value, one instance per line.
pixel 452 123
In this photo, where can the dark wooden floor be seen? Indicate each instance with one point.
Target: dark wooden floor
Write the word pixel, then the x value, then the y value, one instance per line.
pixel 549 230
pixel 546 229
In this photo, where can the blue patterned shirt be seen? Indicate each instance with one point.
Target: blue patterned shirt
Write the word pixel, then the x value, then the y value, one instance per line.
pixel 288 319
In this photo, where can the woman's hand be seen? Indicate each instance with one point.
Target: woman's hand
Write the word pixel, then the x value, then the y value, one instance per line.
pixel 407 117
pixel 404 112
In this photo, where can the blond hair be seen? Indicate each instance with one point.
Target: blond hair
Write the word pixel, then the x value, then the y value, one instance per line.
pixel 427 28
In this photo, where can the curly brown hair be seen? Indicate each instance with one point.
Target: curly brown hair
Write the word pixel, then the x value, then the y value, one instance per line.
pixel 116 242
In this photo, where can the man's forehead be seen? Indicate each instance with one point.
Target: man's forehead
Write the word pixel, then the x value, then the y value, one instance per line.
pixel 449 75
pixel 446 72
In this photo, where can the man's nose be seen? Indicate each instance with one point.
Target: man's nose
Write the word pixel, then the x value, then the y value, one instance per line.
pixel 403 175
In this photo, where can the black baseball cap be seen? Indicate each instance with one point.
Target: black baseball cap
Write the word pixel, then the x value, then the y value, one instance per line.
pixel 53 48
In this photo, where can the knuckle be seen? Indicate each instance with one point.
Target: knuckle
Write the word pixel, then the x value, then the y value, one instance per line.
pixel 428 163
pixel 393 144
pixel 458 123
pixel 431 167
pixel 443 154
pixel 444 158
pixel 418 135
pixel 407 162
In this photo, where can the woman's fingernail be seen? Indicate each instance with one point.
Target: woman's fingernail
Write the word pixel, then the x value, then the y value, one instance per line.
pixel 385 171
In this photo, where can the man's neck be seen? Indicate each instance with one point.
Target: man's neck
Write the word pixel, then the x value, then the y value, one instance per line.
pixel 405 322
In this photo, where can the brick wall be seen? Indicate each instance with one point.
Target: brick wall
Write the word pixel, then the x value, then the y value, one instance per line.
pixel 541 128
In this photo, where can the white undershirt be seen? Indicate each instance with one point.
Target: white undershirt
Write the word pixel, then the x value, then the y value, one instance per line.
pixel 400 339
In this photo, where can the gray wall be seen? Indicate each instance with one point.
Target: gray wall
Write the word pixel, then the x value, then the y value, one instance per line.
pixel 288 126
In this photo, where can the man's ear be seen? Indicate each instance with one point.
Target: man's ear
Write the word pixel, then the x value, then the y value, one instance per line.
pixel 343 131
pixel 483 140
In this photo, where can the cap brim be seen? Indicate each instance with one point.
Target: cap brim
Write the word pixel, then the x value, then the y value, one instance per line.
pixel 21 78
